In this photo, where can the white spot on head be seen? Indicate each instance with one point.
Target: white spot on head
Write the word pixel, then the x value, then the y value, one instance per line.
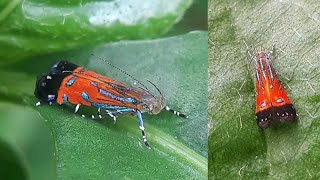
pixel 38 103
pixel 49 77
pixel 83 115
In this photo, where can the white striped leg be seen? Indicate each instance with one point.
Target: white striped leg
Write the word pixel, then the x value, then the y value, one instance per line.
pixel 144 137
pixel 145 141
pixel 76 109
pixel 113 116
pixel 176 112
pixel 99 113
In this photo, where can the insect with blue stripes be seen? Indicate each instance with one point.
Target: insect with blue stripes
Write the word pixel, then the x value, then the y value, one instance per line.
pixel 69 83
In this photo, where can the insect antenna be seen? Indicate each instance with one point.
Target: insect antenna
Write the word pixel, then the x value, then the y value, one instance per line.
pixel 247 48
pixel 124 72
pixel 155 87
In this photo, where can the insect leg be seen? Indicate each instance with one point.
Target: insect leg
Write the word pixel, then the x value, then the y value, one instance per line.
pixel 176 112
pixel 77 108
pixel 111 115
pixel 99 113
pixel 142 129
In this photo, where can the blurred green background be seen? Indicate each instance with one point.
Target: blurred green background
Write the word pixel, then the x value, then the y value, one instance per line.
pixel 164 42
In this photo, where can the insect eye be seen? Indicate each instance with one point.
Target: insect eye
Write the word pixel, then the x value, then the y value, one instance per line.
pixel 43 84
pixel 146 107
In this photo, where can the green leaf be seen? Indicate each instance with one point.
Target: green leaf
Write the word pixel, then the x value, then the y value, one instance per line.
pixel 99 149
pixel 26 144
pixel 237 147
pixel 34 27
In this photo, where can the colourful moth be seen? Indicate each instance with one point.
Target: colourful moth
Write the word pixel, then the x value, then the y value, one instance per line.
pixel 272 102
pixel 69 83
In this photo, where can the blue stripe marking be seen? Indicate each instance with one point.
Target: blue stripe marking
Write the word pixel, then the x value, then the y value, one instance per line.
pixel 130 100
pixel 71 81
pixel 103 92
pixel 140 118
pixel 105 106
pixel 94 84
pixel 65 99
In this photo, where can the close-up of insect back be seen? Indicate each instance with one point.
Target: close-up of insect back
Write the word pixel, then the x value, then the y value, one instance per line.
pixel 272 102
pixel 69 83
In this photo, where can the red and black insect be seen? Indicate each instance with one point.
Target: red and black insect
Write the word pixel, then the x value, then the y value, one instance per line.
pixel 272 102
pixel 70 83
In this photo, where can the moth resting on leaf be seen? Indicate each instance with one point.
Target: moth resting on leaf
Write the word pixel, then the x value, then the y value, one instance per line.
pixel 69 83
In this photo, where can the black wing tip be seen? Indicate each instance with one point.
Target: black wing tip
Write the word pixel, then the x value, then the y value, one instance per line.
pixel 263 118
pixel 284 113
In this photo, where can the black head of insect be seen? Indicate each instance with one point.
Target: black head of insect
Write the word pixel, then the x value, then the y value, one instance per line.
pixel 47 85
pixel 63 66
